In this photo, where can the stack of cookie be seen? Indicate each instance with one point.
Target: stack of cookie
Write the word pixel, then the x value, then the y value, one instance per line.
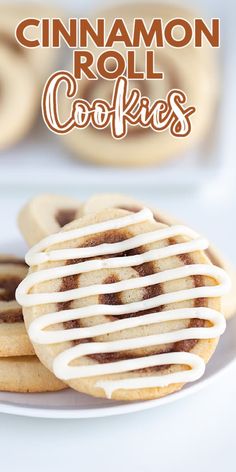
pixel 23 72
pixel 120 301
pixel 20 369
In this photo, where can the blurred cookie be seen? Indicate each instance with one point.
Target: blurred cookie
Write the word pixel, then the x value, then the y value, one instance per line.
pixel 19 96
pixel 45 214
pixel 14 340
pixel 23 72
pixel 42 60
pixel 27 374
pixel 130 308
pixel 192 70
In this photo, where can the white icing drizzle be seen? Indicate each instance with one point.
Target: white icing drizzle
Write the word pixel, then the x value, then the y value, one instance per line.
pixel 40 333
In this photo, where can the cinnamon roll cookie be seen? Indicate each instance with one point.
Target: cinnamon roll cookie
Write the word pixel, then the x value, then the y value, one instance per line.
pixel 20 369
pixel 192 70
pixel 27 374
pixel 14 340
pixel 46 214
pixel 121 306
pixel 112 200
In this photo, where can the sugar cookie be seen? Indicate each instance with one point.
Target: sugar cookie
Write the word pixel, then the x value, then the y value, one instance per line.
pixel 46 214
pixel 27 374
pixel 14 340
pixel 119 305
pixel 36 213
pixel 112 200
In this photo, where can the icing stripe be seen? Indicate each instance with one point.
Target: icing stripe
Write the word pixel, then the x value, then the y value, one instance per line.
pixel 115 367
pixel 118 223
pixel 38 335
pixel 141 282
pixel 114 248
pixel 39 331
pixel 111 263
pixel 196 370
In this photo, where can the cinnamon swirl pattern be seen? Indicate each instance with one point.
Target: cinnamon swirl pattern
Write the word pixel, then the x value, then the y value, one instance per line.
pixel 48 213
pixel 102 201
pixel 20 369
pixel 14 340
pixel 136 305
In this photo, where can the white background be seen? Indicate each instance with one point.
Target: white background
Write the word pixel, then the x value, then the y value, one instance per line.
pixel 197 433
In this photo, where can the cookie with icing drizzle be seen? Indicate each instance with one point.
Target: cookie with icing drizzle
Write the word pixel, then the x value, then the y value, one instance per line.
pixel 47 213
pixel 102 201
pixel 119 305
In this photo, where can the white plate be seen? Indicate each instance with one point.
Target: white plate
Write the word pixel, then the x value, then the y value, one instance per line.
pixel 71 404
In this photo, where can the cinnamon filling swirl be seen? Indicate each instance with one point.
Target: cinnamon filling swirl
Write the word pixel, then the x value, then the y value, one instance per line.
pixel 10 311
pixel 161 219
pixel 72 282
pixel 65 216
